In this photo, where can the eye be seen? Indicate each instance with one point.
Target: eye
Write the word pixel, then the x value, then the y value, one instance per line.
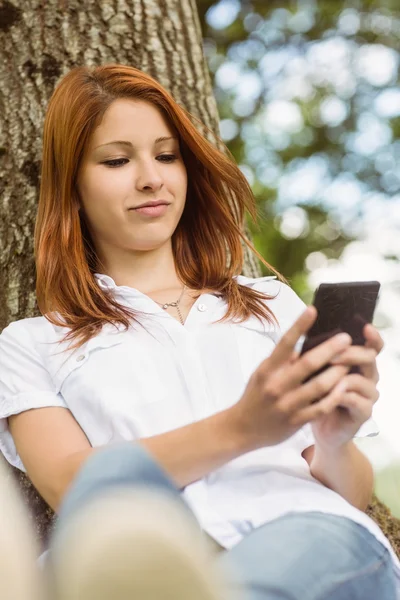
pixel 116 162
pixel 167 158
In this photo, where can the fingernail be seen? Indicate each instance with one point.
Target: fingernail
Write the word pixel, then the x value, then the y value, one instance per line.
pixel 344 338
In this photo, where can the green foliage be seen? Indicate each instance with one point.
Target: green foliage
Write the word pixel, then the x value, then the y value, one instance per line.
pixel 387 487
pixel 301 90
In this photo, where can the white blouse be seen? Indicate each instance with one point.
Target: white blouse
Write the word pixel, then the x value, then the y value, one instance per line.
pixel 124 385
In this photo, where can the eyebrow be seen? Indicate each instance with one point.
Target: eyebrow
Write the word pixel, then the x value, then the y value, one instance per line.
pixel 130 145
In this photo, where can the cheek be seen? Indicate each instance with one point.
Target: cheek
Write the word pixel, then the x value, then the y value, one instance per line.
pixel 178 181
pixel 98 192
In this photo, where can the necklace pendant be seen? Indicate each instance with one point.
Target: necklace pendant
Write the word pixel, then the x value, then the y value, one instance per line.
pixel 175 304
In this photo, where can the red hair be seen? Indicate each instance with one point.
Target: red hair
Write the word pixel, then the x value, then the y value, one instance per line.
pixel 207 242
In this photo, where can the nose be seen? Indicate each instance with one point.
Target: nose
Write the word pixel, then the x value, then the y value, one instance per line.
pixel 148 177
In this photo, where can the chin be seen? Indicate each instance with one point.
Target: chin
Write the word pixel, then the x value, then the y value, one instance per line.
pixel 150 244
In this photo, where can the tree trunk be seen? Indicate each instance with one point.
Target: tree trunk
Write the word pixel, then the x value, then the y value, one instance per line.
pixel 40 42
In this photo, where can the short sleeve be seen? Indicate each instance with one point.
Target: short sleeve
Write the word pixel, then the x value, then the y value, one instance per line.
pixel 25 383
pixel 285 304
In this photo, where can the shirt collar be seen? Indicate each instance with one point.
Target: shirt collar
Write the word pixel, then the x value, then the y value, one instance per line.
pixel 107 283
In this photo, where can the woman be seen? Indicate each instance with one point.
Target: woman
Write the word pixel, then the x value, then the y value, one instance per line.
pixel 156 365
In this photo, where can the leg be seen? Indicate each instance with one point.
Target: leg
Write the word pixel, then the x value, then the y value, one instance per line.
pixel 124 532
pixel 117 466
pixel 311 556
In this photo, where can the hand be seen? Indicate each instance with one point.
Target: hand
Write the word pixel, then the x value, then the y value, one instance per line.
pixel 354 396
pixel 366 360
pixel 276 402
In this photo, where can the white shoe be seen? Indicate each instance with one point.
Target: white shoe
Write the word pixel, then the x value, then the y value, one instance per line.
pixel 19 575
pixel 133 545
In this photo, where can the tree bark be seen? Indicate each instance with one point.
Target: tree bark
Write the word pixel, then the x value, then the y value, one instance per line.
pixel 39 42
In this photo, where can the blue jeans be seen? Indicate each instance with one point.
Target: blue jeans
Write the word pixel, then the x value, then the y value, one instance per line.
pixel 300 556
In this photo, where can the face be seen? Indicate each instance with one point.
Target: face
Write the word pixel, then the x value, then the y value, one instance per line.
pixel 133 158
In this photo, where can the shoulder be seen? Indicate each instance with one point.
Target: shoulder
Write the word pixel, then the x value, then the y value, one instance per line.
pixel 285 304
pixel 282 295
pixel 270 285
pixel 30 326
pixel 29 332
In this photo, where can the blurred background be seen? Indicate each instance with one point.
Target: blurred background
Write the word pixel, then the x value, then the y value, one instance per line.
pixel 309 99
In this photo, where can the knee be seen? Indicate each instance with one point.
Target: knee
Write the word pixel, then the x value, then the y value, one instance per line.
pixel 116 466
pixel 122 462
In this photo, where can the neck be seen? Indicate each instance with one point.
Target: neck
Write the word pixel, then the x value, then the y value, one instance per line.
pixel 149 272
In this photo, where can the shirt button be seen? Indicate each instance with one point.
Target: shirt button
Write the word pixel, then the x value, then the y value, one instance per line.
pixel 202 307
pixel 80 358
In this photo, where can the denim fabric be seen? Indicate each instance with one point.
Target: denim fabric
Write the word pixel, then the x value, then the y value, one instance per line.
pixel 300 556
pixel 311 556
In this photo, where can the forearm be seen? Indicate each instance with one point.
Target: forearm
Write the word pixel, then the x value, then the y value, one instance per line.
pixel 347 471
pixel 190 453
pixel 186 454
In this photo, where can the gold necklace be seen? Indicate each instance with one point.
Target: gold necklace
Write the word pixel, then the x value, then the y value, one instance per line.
pixel 174 304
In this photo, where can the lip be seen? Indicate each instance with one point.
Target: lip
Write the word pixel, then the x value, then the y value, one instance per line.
pixel 150 203
pixel 152 210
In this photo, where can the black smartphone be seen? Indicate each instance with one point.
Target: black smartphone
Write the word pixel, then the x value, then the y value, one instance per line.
pixel 342 307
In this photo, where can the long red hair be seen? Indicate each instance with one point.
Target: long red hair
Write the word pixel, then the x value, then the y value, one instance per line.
pixel 207 242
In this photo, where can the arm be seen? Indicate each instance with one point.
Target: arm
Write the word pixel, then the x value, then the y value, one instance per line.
pixel 190 452
pixel 275 404
pixel 53 447
pixel 345 470
pixel 335 460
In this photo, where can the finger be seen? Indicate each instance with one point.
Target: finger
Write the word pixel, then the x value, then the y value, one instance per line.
pixel 370 372
pixel 373 338
pixel 342 395
pixel 319 409
pixel 315 389
pixel 293 373
pixel 360 356
pixel 313 360
pixel 285 347
pixel 364 358
pixel 362 386
pixel 355 355
pixel 359 407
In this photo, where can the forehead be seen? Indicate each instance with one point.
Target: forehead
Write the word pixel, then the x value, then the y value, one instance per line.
pixel 131 119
